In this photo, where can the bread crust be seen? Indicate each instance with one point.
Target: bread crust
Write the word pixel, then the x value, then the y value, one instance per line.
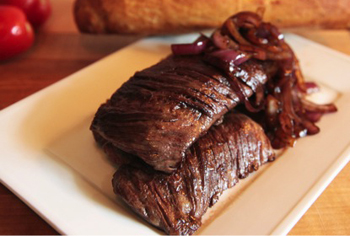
pixel 176 16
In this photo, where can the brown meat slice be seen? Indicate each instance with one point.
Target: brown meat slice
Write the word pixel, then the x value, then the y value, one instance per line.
pixel 161 111
pixel 176 203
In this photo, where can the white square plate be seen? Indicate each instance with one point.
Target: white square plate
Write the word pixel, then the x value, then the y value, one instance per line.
pixel 48 157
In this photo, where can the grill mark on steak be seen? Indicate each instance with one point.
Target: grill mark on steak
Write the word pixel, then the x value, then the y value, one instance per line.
pixel 161 111
pixel 183 91
pixel 176 203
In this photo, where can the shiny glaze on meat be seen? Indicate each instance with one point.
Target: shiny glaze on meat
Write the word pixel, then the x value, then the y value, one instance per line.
pixel 161 111
pixel 176 203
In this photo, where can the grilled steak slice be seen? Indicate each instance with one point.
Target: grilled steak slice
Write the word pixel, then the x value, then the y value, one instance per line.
pixel 163 110
pixel 176 203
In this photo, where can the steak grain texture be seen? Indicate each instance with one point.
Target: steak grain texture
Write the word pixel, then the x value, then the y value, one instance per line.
pixel 176 203
pixel 161 111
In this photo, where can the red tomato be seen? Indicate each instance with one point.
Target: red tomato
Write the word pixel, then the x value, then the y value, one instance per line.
pixel 16 34
pixel 37 11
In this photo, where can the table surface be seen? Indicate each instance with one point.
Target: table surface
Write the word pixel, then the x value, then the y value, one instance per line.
pixel 59 50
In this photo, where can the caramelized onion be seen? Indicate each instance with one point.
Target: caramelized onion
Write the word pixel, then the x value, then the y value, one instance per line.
pixel 313 116
pixel 311 87
pixel 312 107
pixel 195 48
pixel 247 19
pixel 286 114
pixel 230 56
pixel 223 41
pixel 235 34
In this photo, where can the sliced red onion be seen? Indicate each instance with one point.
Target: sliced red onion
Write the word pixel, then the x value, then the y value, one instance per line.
pixel 235 34
pixel 262 31
pixel 272 106
pixel 254 37
pixel 312 107
pixel 256 52
pixel 313 116
pixel 223 41
pixel 195 48
pixel 247 19
pixel 275 32
pixel 287 114
pixel 228 57
pixel 311 127
pixel 311 87
pixel 241 58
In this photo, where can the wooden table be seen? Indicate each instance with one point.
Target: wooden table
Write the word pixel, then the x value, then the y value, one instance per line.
pixel 60 50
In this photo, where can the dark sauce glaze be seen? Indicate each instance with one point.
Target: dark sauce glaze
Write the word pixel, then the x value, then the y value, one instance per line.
pixel 175 203
pixel 163 110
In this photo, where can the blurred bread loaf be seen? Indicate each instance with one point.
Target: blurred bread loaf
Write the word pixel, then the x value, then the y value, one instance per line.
pixel 175 16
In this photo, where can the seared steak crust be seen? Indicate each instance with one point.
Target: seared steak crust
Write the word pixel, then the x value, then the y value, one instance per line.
pixel 161 111
pixel 176 203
